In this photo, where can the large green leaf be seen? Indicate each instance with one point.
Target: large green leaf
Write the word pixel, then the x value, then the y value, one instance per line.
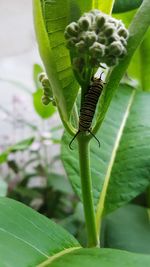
pixel 28 238
pixel 128 228
pixel 51 18
pixel 137 30
pixel 122 165
pixel 98 258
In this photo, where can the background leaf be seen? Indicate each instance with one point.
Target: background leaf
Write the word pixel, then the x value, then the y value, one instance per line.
pixel 128 228
pixel 125 5
pixel 123 160
pixel 20 146
pixel 104 6
pixel 43 111
pixel 31 238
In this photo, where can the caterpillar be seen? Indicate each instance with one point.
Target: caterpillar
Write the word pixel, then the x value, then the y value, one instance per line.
pixel 89 106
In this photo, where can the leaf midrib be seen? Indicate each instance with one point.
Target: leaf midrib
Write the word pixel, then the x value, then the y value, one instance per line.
pixel 57 255
pixel 100 206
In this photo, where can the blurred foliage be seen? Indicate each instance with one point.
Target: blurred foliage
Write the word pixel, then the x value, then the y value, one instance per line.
pixel 31 171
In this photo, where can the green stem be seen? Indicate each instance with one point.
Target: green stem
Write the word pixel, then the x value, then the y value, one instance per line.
pixel 86 185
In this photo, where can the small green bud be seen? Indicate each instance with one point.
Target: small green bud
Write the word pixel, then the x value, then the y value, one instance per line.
pixel 45 82
pixel 116 48
pixel 80 46
pixel 100 21
pixel 84 23
pixel 113 21
pixel 66 35
pixel 123 41
pixel 97 49
pixel 72 29
pixel 54 102
pixel 101 39
pixel 45 100
pixel 89 38
pixel 71 42
pixel 113 38
pixel 109 30
pixel 123 32
pixel 48 92
pixel 42 75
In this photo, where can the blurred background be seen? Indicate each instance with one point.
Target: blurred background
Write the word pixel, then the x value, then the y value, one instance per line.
pixel 30 166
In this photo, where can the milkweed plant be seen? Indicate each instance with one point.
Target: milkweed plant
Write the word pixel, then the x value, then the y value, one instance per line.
pixel 96 60
pixel 96 41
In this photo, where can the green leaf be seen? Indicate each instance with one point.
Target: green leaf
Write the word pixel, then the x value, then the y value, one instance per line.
pixel 28 238
pixel 3 157
pixel 128 228
pixel 139 67
pixel 59 183
pixel 50 19
pixel 123 159
pixel 126 5
pixel 98 258
pixel 3 188
pixel 104 6
pixel 22 145
pixel 43 111
pixel 145 62
pixel 37 69
pixel 137 30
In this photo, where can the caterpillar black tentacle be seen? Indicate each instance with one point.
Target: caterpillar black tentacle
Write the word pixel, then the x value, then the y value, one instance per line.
pixel 89 106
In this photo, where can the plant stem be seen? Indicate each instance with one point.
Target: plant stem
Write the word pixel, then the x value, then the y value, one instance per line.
pixel 86 185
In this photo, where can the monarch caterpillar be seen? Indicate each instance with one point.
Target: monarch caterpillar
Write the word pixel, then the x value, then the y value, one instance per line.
pixel 89 106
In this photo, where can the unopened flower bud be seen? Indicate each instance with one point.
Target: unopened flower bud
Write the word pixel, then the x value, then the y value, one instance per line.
pixel 89 37
pixel 54 102
pixel 109 30
pixel 116 48
pixel 72 29
pixel 71 42
pixel 123 41
pixel 80 46
pixel 100 21
pixel 45 100
pixel 84 23
pixel 42 75
pixel 123 32
pixel 45 82
pixel 97 49
pixel 101 39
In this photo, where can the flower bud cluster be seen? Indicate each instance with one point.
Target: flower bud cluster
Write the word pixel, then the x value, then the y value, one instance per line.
pixel 47 91
pixel 96 35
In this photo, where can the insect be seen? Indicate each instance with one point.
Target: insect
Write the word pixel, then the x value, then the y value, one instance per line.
pixel 88 108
